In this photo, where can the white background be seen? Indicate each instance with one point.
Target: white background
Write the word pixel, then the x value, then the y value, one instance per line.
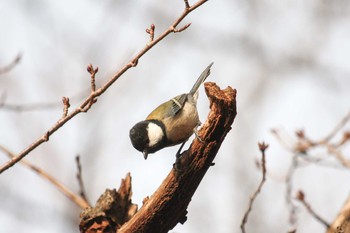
pixel 288 60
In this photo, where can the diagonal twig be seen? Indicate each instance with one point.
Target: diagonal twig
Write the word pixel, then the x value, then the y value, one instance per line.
pixel 341 125
pixel 262 147
pixel 87 103
pixel 301 198
pixel 289 189
pixel 12 65
pixel 82 203
pixel 40 106
pixel 80 180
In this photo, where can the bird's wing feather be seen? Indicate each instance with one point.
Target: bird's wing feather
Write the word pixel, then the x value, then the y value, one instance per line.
pixel 178 103
pixel 162 111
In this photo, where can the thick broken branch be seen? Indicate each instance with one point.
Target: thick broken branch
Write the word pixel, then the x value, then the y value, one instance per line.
pixel 112 209
pixel 168 205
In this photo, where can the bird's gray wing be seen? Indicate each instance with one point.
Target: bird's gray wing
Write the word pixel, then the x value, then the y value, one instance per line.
pixel 178 103
pixel 164 110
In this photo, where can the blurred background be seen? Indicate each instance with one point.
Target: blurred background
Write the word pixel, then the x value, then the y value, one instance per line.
pixel 288 60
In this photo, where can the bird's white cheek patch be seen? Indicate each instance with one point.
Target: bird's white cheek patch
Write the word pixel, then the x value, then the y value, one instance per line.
pixel 155 134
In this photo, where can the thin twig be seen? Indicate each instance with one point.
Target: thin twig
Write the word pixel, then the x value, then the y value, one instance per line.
pixel 80 180
pixel 282 140
pixel 150 31
pixel 187 5
pixel 87 103
pixel 303 146
pixel 66 106
pixel 182 29
pixel 345 139
pixel 289 190
pixel 339 156
pixel 61 187
pixel 262 147
pixel 301 198
pixel 341 124
pixel 93 73
pixel 10 66
pixel 36 106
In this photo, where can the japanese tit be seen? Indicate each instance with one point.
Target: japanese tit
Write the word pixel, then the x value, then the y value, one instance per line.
pixel 171 123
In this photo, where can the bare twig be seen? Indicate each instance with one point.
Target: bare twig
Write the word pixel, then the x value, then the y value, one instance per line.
pixel 150 31
pixel 304 143
pixel 10 66
pixel 341 125
pixel 82 203
pixel 36 106
pixel 283 140
pixel 262 147
pixel 301 198
pixel 92 72
pixel 80 180
pixel 187 5
pixel 66 106
pixel 302 146
pixel 289 190
pixel 339 156
pixel 93 100
pixel 182 29
pixel 87 103
pixel 343 140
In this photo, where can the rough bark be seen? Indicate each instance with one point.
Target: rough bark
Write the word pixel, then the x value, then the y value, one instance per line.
pixel 111 211
pixel 168 205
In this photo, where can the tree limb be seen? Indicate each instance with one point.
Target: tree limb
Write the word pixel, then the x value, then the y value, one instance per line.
pixel 79 201
pixel 262 147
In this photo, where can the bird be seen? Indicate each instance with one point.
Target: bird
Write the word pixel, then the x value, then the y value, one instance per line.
pixel 171 123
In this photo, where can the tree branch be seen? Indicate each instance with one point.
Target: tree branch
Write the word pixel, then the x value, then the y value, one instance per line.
pixel 80 180
pixel 303 146
pixel 112 209
pixel 302 199
pixel 12 65
pixel 82 203
pixel 262 147
pixel 168 205
pixel 91 99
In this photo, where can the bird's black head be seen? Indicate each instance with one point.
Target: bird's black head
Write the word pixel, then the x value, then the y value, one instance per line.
pixel 148 136
pixel 139 136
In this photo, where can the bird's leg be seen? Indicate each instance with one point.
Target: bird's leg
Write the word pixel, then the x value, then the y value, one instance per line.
pixel 178 153
pixel 177 164
pixel 195 131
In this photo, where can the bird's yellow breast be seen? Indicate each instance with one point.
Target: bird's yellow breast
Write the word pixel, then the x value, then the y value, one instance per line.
pixel 180 127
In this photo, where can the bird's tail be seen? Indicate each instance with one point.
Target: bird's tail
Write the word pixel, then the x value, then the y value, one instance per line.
pixel 201 79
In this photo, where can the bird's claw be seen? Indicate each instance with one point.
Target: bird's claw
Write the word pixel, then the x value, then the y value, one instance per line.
pixel 195 131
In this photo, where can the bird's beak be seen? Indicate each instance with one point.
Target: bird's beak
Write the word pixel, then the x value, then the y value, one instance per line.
pixel 145 154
